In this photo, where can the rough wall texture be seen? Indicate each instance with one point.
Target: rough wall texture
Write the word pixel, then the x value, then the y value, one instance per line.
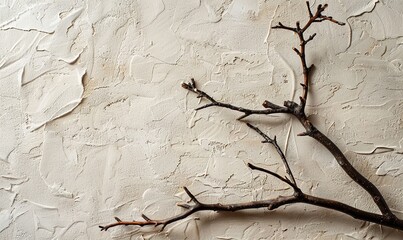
pixel 94 123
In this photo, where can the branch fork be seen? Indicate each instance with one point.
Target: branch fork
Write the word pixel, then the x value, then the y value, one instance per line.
pixel 385 217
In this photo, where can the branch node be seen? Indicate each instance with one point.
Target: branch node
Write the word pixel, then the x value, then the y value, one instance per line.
pixel 303 100
pixel 297 51
pixel 290 105
pixel 320 8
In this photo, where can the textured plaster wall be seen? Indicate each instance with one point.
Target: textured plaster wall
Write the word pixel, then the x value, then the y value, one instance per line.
pixel 94 123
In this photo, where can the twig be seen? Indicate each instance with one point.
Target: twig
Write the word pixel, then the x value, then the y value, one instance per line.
pixel 297 190
pixel 191 86
pixel 278 149
pixel 317 17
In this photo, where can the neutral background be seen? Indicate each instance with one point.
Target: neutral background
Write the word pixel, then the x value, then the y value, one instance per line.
pixel 94 123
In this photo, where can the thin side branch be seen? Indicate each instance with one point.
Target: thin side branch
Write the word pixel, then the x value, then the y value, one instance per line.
pixel 280 25
pixel 276 175
pixel 279 151
pixel 317 17
pixel 309 9
pixel 191 86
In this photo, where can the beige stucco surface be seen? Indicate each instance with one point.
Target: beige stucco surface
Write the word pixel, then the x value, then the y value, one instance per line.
pixel 94 123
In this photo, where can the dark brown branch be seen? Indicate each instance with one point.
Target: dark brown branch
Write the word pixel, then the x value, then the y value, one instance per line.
pixel 278 149
pixel 387 218
pixel 313 132
pixel 354 174
pixel 309 9
pixel 276 175
pixel 280 25
pixel 317 17
pixel 299 112
pixel 271 204
pixel 191 86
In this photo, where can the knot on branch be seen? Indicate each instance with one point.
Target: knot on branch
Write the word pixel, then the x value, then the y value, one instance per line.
pixel 291 105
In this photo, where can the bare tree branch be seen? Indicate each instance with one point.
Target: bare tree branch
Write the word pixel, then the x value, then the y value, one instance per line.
pixel 386 218
pixel 270 204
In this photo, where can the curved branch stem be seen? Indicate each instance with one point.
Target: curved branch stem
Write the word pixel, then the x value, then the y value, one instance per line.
pixel 271 204
pixel 354 174
pixel 293 185
pixel 279 151
pixel 191 86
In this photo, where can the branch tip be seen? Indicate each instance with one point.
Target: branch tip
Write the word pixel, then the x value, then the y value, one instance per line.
pixel 243 116
pixel 185 86
pixel 297 51
pixel 192 197
pixel 309 9
pixel 145 218
pixel 205 106
pixel 163 227
pixel 311 37
pixel 183 205
pixel 268 104
pixel 303 134
pixel 320 8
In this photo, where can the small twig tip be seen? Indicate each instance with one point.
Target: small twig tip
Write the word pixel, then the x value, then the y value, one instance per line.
pixel 145 217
